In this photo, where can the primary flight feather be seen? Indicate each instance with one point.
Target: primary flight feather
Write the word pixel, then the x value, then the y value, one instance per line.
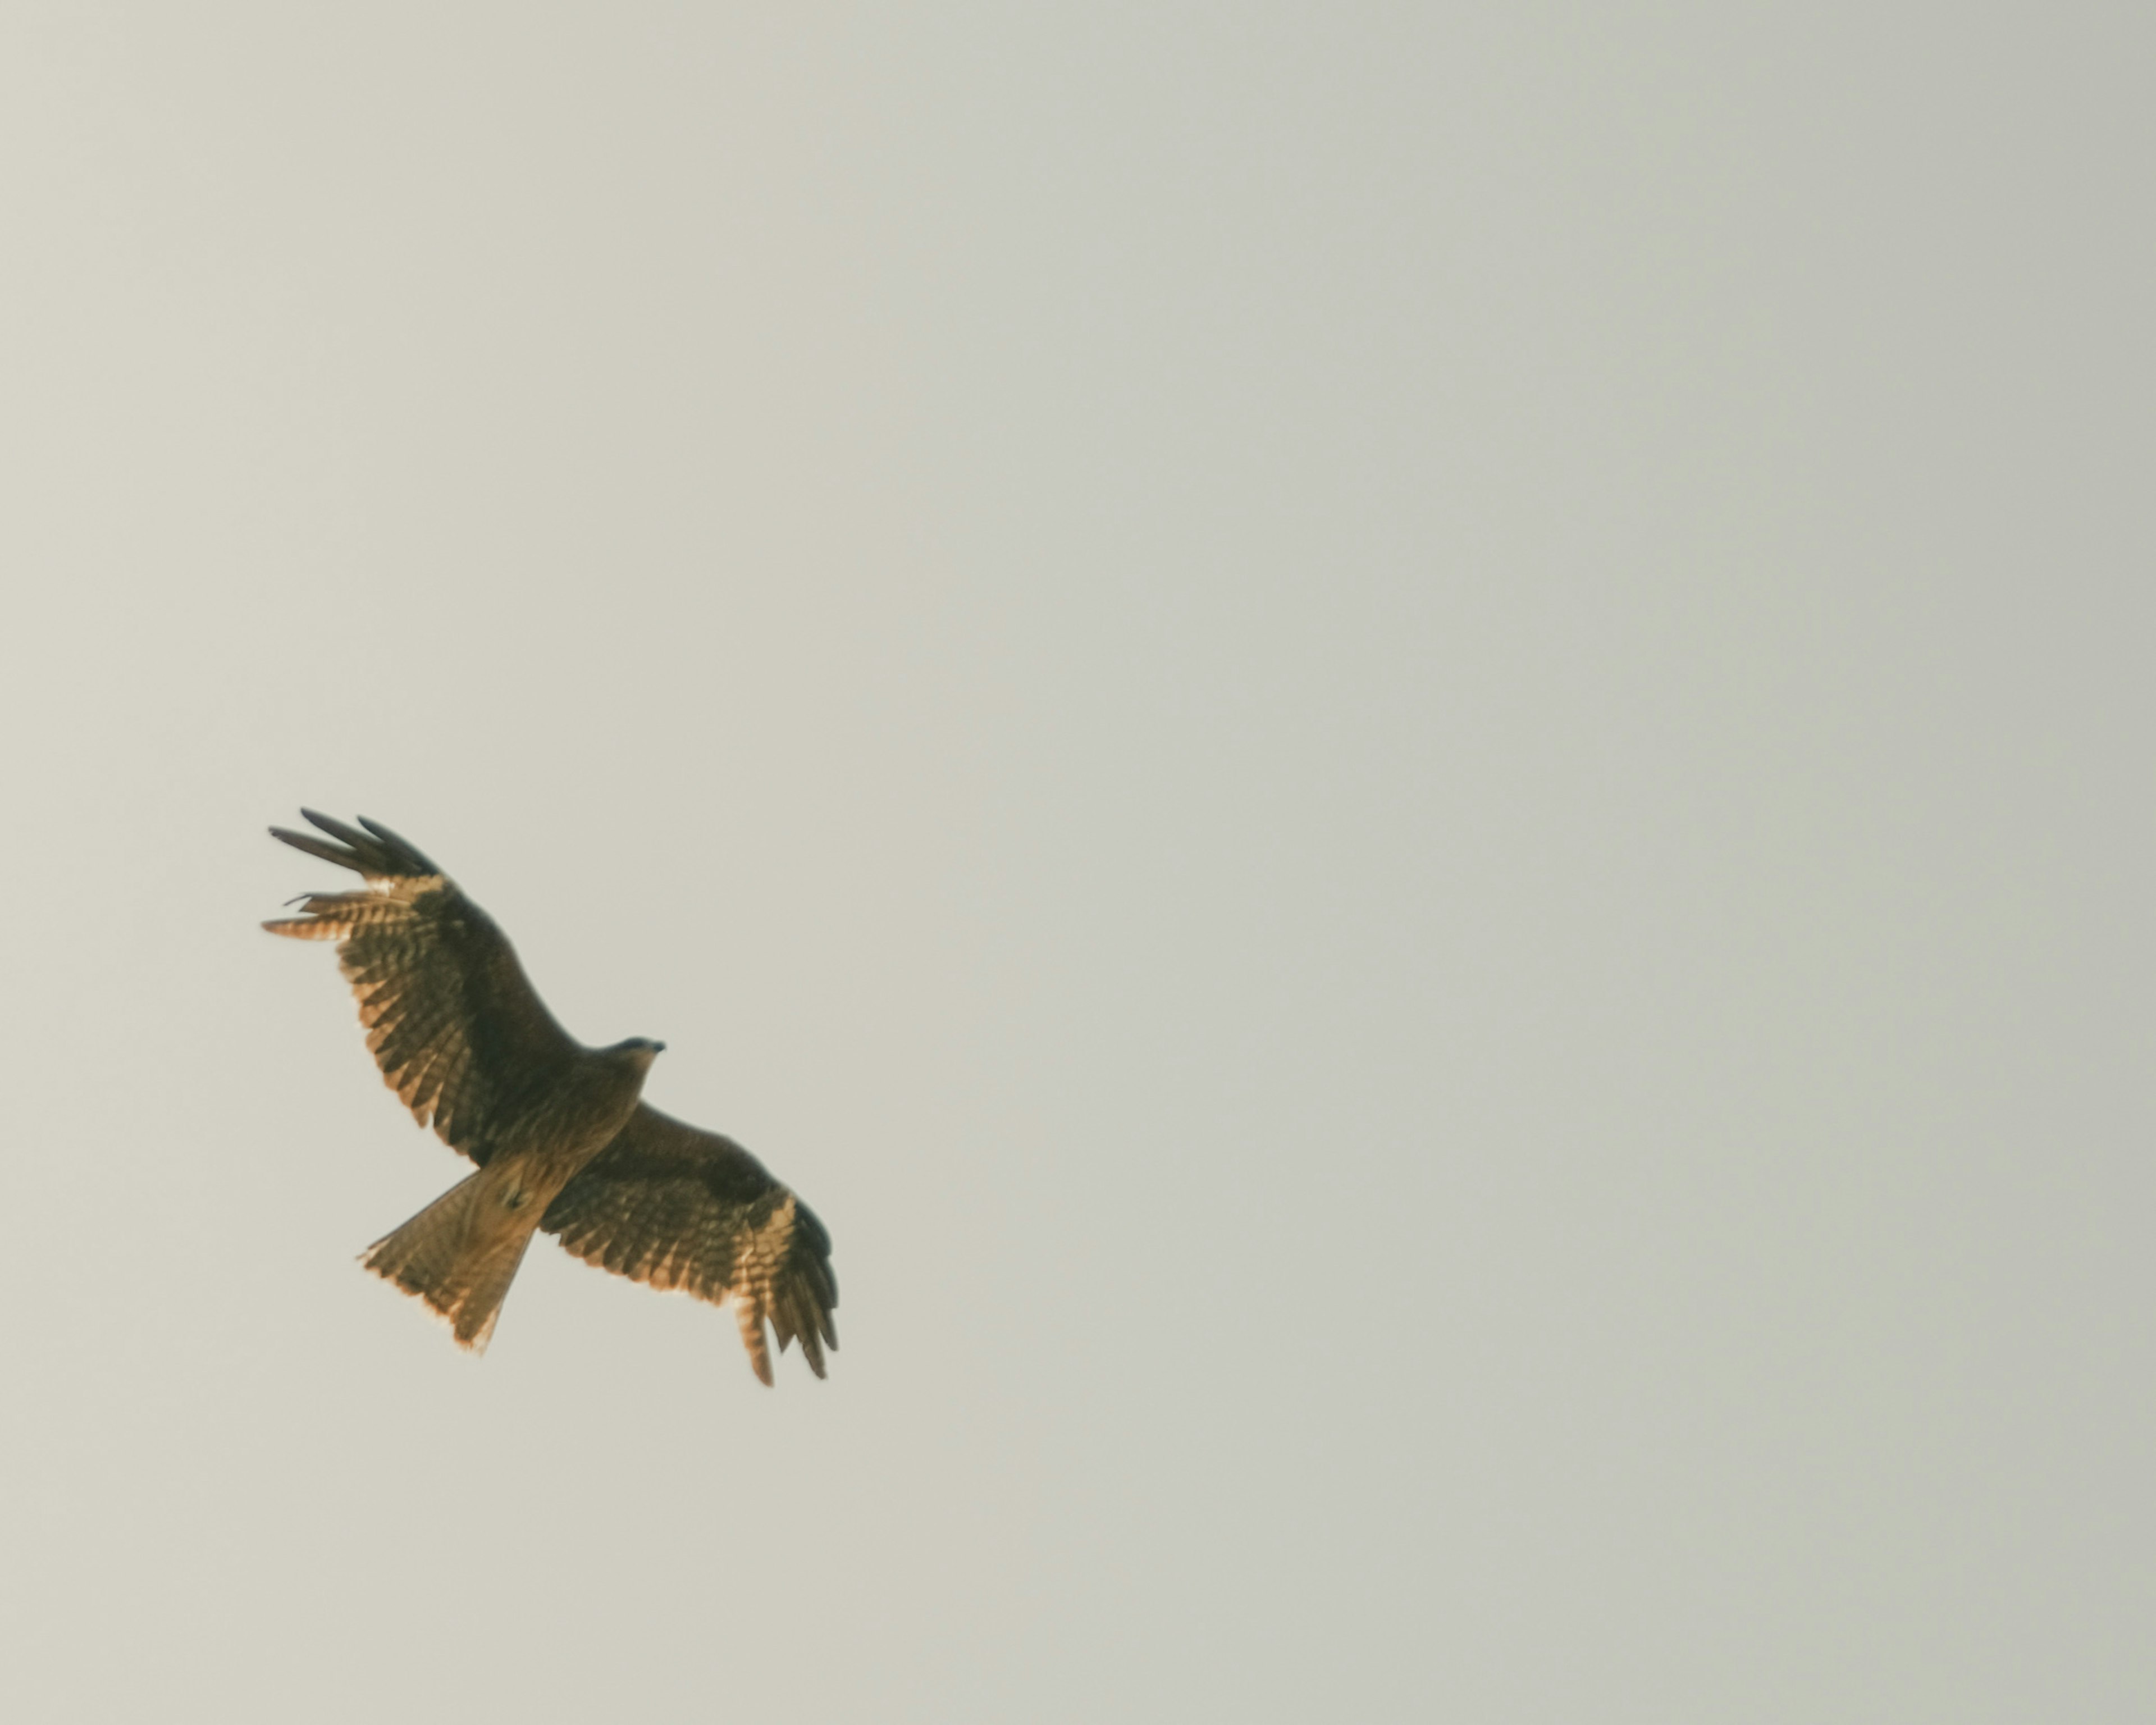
pixel 562 1136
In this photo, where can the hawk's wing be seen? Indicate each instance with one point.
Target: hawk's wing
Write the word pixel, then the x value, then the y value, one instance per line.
pixel 667 1205
pixel 459 1032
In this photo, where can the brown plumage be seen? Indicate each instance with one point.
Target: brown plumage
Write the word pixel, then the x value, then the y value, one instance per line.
pixel 563 1140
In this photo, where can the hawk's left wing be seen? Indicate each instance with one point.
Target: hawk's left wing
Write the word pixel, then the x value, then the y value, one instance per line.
pixel 674 1207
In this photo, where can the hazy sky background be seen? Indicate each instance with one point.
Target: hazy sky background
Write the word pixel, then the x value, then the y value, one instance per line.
pixel 1404 750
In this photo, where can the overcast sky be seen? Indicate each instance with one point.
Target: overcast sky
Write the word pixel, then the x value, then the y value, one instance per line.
pixel 1404 751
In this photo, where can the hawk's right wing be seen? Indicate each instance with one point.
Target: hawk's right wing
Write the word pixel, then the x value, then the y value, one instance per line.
pixel 458 1031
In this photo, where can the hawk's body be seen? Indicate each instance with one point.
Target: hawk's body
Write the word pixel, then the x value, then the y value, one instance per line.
pixel 561 1139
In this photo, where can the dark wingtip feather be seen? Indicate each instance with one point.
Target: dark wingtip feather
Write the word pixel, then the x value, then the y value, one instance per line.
pixel 406 851
pixel 376 851
pixel 316 848
pixel 803 1312
pixel 336 828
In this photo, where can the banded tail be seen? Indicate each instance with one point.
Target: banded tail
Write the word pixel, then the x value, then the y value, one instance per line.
pixel 460 1253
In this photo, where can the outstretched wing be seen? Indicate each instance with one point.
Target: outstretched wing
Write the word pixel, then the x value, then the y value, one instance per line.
pixel 459 1032
pixel 667 1205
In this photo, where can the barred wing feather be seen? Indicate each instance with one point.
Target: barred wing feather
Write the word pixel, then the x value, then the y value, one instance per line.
pixel 457 1029
pixel 674 1207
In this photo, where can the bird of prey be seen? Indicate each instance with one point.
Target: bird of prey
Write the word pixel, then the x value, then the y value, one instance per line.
pixel 561 1136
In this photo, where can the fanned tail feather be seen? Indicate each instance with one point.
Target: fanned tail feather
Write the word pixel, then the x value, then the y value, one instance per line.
pixel 460 1255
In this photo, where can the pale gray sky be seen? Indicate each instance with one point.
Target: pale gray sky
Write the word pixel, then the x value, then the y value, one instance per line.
pixel 1404 750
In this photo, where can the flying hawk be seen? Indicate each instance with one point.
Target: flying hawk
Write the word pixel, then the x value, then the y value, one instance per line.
pixel 561 1138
